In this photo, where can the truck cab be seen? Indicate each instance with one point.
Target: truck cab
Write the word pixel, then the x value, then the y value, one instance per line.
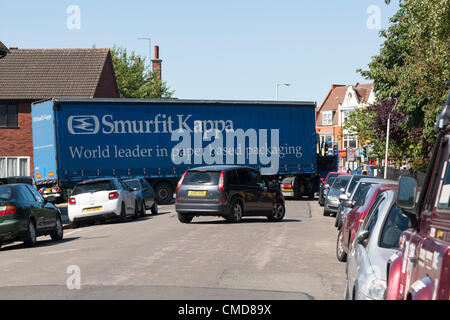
pixel 421 269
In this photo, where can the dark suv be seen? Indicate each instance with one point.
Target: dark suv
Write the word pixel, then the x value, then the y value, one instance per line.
pixel 230 192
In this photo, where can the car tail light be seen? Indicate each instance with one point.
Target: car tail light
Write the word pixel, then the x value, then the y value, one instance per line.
pixel 56 190
pixel 72 200
pixel 41 191
pixel 7 210
pixel 181 181
pixel 221 180
pixel 113 195
pixel 287 186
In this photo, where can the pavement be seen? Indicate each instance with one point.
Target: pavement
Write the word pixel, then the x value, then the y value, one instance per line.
pixel 157 257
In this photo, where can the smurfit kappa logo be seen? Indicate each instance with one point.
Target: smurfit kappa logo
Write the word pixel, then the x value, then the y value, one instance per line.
pixel 83 124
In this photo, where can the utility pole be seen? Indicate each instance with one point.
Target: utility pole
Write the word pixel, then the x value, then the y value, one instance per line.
pixel 387 140
pixel 149 47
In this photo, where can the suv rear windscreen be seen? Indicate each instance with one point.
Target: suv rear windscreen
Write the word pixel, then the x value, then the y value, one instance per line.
pixel 92 187
pixel 201 177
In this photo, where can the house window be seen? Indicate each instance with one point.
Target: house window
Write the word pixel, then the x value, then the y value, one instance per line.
pixel 8 115
pixel 326 138
pixel 14 166
pixel 350 141
pixel 346 114
pixel 327 118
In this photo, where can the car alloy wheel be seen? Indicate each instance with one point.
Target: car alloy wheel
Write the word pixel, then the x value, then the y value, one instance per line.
pixel 58 232
pixel 236 212
pixel 30 240
pixel 340 253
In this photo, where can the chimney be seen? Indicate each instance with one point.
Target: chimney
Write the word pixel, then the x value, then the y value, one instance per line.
pixel 156 64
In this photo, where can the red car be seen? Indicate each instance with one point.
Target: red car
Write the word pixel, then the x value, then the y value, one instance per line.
pixel 354 219
pixel 329 179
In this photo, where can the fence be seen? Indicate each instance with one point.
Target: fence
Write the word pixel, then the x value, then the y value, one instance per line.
pixel 394 174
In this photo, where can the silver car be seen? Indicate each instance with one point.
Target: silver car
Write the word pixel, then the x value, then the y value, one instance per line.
pixel 376 241
pixel 332 197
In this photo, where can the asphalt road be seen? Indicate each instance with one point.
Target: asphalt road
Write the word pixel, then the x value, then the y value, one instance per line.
pixel 157 257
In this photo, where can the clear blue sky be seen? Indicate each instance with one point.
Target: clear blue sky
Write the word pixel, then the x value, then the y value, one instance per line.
pixel 225 49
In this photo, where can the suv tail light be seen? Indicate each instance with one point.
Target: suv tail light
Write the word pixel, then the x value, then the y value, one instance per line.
pixel 72 200
pixel 7 210
pixel 181 181
pixel 287 186
pixel 56 189
pixel 113 195
pixel 221 180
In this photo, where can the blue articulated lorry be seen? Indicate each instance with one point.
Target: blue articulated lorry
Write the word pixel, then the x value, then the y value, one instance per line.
pixel 79 139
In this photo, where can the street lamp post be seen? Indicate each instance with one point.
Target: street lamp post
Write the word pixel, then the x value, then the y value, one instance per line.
pixel 149 46
pixel 387 140
pixel 277 86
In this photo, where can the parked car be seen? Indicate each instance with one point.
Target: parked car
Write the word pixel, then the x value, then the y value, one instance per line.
pixel 348 192
pixel 99 199
pixel 362 200
pixel 25 215
pixel 332 198
pixel 365 170
pixel 377 240
pixel 422 269
pixel 53 192
pixel 325 186
pixel 144 194
pixel 230 192
pixel 19 179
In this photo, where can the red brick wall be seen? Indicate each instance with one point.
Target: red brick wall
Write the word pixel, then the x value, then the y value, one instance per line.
pixel 19 141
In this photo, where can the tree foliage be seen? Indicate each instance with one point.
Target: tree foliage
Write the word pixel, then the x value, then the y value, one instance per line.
pixel 135 79
pixel 412 66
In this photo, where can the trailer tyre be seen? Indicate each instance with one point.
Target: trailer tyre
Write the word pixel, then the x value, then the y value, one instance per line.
pixel 164 192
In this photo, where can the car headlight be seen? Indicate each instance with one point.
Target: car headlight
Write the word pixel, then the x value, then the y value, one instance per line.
pixel 377 288
pixel 333 198
pixel 325 192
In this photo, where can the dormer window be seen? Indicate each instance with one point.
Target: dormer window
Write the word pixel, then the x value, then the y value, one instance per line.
pixel 327 118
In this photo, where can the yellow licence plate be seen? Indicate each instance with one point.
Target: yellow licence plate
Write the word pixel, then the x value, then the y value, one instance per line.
pixel 285 189
pixel 197 193
pixel 92 209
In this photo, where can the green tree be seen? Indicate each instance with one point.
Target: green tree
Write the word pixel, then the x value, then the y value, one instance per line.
pixel 135 79
pixel 413 66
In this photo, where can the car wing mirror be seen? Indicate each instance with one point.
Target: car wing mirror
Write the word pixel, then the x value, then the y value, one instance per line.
pixel 343 197
pixel 362 236
pixel 327 186
pixel 347 204
pixel 342 190
pixel 407 192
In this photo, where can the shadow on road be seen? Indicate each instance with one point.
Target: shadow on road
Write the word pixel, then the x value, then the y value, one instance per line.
pixel 44 243
pixel 244 220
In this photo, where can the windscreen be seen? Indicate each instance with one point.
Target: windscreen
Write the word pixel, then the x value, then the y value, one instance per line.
pixel 341 182
pixel 92 187
pixel 201 178
pixel 330 178
pixel 361 192
pixel 5 193
pixel 393 227
pixel 133 184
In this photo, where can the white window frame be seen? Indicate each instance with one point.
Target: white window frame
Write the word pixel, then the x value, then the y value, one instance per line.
pixel 18 158
pixel 327 118
pixel 323 138
pixel 348 138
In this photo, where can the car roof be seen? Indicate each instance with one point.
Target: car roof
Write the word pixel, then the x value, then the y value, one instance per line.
pixel 95 180
pixel 220 168
pixel 380 180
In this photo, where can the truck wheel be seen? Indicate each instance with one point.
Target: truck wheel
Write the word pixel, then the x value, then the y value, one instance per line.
pixel 164 192
pixel 185 218
pixel 30 238
pixel 340 253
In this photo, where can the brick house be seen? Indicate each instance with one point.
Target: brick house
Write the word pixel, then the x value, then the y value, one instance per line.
pixel 29 75
pixel 339 103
